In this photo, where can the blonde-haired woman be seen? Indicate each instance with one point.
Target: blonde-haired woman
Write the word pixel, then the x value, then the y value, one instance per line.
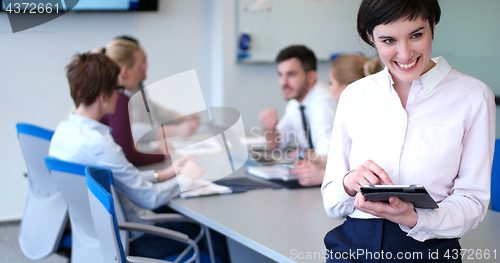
pixel 348 68
pixel 131 59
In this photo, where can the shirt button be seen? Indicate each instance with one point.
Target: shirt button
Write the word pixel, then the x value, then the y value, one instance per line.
pixel 412 97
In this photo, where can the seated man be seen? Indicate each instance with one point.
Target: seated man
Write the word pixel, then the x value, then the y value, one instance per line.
pixel 309 114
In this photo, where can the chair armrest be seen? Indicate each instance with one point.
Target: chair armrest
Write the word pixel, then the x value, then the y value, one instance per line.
pixel 170 217
pixel 154 230
pixel 145 260
pixel 163 232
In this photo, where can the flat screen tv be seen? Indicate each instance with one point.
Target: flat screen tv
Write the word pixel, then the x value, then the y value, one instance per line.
pixel 84 5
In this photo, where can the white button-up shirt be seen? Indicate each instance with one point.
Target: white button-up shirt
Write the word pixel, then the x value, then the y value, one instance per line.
pixel 89 142
pixel 319 111
pixel 444 140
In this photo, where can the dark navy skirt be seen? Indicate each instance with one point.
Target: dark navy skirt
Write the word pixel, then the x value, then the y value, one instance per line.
pixel 380 240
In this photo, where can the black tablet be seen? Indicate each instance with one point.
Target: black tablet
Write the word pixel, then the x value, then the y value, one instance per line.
pixel 415 194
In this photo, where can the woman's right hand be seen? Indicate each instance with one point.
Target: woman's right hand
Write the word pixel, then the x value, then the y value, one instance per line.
pixel 179 163
pixel 309 173
pixel 192 170
pixel 366 174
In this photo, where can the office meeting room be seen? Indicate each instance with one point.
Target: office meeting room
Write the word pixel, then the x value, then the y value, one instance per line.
pixel 249 131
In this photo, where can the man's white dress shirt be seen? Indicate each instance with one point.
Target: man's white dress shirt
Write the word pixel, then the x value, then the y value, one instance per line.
pixel 89 142
pixel 444 140
pixel 320 113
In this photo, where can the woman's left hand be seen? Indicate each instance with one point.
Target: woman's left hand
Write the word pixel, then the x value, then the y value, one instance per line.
pixel 309 174
pixel 397 211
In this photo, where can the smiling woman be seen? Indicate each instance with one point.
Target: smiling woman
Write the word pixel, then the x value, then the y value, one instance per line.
pixel 405 47
pixel 416 122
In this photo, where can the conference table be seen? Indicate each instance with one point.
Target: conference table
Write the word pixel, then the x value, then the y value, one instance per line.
pixel 288 225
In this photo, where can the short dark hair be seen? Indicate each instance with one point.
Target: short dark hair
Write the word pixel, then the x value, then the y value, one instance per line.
pixel 302 53
pixel 89 76
pixel 372 13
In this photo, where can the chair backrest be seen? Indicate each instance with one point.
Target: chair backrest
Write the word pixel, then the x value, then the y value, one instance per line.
pixel 70 178
pixel 35 142
pixel 495 178
pixel 99 182
pixel 46 212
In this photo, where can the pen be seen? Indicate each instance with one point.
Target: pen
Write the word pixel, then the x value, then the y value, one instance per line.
pixel 300 156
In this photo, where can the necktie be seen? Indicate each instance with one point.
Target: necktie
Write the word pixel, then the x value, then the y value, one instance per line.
pixel 306 126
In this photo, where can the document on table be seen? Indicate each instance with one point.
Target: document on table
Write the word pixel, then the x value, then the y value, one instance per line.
pixel 203 187
pixel 271 172
pixel 192 146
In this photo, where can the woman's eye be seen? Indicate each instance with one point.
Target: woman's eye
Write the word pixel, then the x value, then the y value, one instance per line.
pixel 388 41
pixel 417 35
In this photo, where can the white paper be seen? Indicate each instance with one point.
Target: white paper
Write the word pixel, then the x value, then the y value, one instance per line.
pixel 204 187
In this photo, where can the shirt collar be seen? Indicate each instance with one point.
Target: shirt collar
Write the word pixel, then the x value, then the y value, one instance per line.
pixel 390 83
pixel 82 121
pixel 430 79
pixel 435 75
pixel 309 96
pixel 128 93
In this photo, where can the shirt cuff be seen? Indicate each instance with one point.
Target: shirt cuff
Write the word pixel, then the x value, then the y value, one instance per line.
pixel 418 232
pixel 149 175
pixel 405 228
pixel 322 148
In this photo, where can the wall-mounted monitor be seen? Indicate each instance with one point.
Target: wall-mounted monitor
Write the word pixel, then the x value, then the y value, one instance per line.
pixel 116 5
pixel 18 6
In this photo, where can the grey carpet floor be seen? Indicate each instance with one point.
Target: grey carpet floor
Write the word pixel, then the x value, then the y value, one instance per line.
pixel 10 252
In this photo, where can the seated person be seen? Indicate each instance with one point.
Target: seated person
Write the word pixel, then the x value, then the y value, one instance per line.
pixel 310 111
pixel 345 69
pixel 185 125
pixel 131 58
pixel 83 139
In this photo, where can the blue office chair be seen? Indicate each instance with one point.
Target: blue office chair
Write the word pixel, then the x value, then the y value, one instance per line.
pixel 99 183
pixel 70 178
pixel 46 213
pixel 495 178
pixel 86 247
